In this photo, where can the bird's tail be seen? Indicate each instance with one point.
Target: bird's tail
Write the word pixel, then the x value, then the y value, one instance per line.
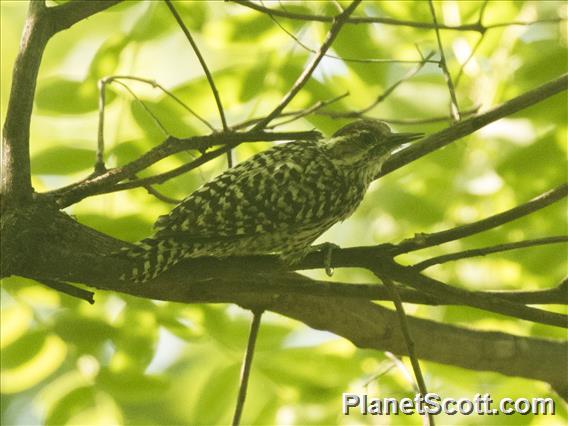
pixel 152 256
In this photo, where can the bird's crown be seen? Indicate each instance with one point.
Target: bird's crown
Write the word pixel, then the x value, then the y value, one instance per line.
pixel 365 140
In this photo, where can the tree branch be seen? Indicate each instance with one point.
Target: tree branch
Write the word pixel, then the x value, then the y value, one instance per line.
pixel 338 22
pixel 465 127
pixel 411 278
pixel 389 21
pixel 409 340
pixel 421 241
pixel 68 14
pixel 201 61
pixel 454 108
pixel 41 24
pixel 488 250
pixel 99 184
pixel 56 247
pixel 16 177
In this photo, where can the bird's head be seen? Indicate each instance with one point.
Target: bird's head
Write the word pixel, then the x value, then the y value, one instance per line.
pixel 365 143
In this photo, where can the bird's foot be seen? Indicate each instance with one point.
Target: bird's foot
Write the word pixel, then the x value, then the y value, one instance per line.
pixel 327 250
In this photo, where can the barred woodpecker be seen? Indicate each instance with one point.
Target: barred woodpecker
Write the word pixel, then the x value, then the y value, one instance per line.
pixel 278 201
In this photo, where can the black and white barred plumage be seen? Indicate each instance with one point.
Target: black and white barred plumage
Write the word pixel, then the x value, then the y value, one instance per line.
pixel 278 201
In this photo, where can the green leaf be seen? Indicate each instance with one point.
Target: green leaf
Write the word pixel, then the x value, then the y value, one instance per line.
pixel 253 83
pixel 256 26
pixel 218 396
pixel 30 360
pixel 107 58
pixel 63 160
pixel 155 22
pixel 63 96
pixel 89 334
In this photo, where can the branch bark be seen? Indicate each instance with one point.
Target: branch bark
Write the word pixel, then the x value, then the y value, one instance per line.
pixel 41 24
pixel 16 178
pixel 68 14
pixel 103 183
pixel 56 247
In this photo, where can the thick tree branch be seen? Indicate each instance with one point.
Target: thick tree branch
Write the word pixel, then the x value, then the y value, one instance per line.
pixel 56 247
pixel 41 24
pixel 16 178
pixel 68 14
pixel 292 284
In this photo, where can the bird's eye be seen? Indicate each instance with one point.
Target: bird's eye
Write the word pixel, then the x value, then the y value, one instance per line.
pixel 366 138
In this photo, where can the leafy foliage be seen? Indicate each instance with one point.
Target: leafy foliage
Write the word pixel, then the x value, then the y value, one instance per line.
pixel 131 361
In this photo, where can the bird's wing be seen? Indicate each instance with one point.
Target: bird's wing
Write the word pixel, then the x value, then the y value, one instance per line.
pixel 286 187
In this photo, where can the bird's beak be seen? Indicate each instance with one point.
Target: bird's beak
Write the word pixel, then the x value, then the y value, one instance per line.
pixel 396 139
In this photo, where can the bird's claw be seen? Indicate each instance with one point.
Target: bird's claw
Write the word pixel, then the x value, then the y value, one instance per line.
pixel 327 250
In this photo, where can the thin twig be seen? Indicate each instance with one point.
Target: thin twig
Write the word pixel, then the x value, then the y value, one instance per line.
pixel 338 22
pixel 470 56
pixel 153 191
pixel 440 119
pixel 163 177
pixel 482 10
pixel 382 96
pixel 246 367
pixel 167 92
pixel 314 108
pixel 410 277
pixel 488 250
pixel 340 58
pixel 454 110
pixel 100 157
pixel 377 376
pixel 410 346
pixel 69 289
pixel 334 114
pixel 382 20
pixel 208 74
pixel 296 114
pixel 524 23
pixel 70 194
pixel 155 119
pixel 421 241
pixel 201 61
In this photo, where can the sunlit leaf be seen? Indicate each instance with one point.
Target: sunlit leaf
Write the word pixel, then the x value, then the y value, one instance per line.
pixel 107 57
pixel 62 160
pixel 14 322
pixel 62 96
pixel 30 360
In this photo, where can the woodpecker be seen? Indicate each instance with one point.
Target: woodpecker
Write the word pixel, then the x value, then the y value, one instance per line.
pixel 278 201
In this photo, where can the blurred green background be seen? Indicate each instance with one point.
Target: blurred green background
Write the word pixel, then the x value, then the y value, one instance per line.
pixel 133 361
